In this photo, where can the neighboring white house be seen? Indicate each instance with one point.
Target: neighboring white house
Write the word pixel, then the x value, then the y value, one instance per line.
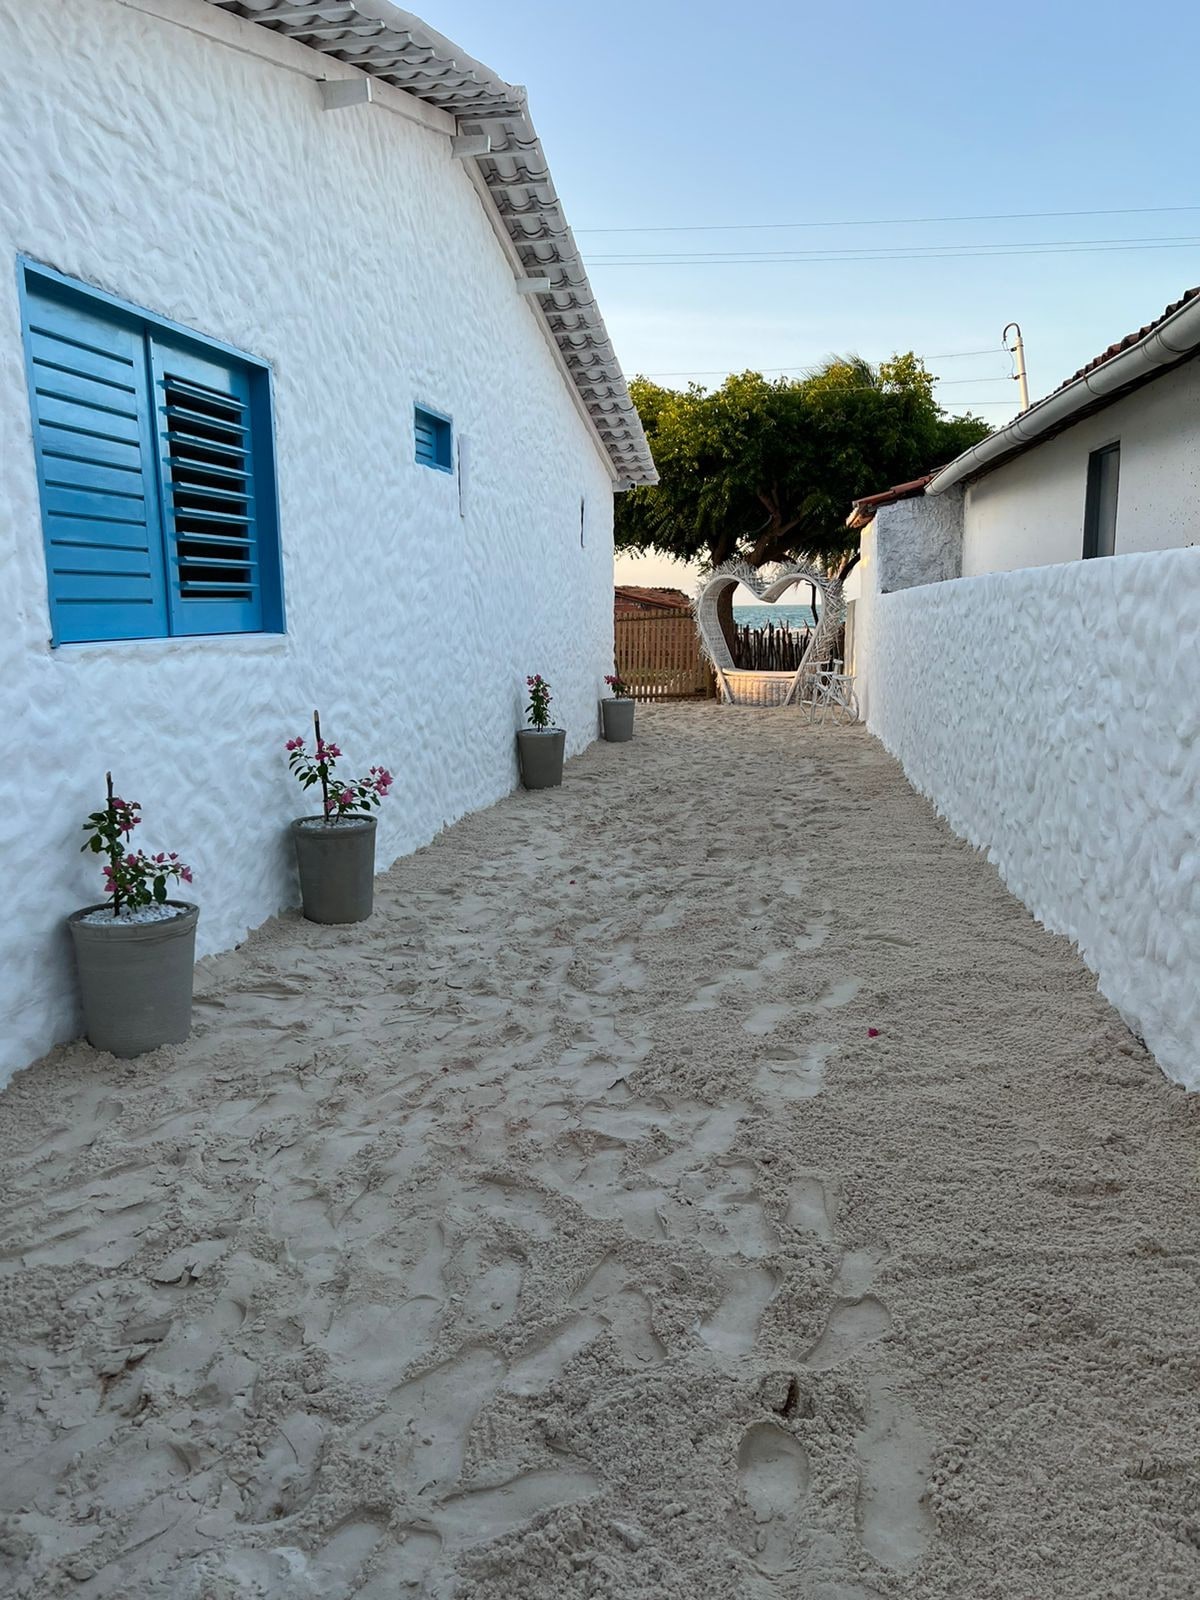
pixel 306 402
pixel 1109 464
pixel 1046 704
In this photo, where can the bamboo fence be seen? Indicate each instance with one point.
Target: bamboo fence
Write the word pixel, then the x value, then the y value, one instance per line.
pixel 658 657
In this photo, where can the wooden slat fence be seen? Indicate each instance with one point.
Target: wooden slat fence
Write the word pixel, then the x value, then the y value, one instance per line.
pixel 658 656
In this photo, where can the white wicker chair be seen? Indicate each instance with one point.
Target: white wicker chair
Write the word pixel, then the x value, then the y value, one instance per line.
pixel 741 688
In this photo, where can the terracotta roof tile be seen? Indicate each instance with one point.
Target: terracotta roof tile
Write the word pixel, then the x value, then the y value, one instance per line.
pixel 865 507
pixel 1130 339
pixel 629 600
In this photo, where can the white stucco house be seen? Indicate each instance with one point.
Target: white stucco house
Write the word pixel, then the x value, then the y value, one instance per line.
pixel 1108 464
pixel 306 402
pixel 1044 699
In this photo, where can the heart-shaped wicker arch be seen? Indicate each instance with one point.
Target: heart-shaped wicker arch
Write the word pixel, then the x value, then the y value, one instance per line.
pixel 769 584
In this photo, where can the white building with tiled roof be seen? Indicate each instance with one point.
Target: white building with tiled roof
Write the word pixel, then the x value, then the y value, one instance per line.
pixel 1108 464
pixel 307 402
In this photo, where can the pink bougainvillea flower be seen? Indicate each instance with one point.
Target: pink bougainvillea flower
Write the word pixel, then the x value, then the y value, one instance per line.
pixel 295 744
pixel 186 874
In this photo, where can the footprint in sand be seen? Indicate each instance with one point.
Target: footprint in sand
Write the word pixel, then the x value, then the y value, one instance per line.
pixel 493 1287
pixel 786 1076
pixel 852 1324
pixel 732 1330
pixel 400 1568
pixel 372 1343
pixel 840 994
pixel 809 1208
pixel 437 1410
pixel 765 1019
pixel 773 1474
pixel 284 1479
pixel 732 1218
pixel 480 1514
pixel 895 1455
pixel 546 1357
pixel 609 1294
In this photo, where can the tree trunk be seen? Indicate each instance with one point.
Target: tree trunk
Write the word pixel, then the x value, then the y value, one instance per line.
pixel 725 618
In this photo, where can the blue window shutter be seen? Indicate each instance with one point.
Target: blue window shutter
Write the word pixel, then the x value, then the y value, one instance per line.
pixel 90 403
pixel 209 470
pixel 434 436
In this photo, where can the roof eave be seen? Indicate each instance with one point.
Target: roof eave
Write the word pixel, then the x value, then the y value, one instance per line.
pixel 383 41
pixel 1171 341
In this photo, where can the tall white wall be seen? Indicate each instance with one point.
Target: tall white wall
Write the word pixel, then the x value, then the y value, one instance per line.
pixel 349 250
pixel 1053 718
pixel 1030 512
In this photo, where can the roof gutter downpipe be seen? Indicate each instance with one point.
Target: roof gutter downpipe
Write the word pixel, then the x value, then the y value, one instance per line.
pixel 1164 345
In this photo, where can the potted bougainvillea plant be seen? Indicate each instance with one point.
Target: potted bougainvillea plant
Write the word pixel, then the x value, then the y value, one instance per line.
pixel 335 851
pixel 616 714
pixel 135 952
pixel 540 745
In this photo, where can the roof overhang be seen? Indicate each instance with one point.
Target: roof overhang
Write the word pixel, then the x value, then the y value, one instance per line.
pixel 384 42
pixel 1165 345
pixel 862 510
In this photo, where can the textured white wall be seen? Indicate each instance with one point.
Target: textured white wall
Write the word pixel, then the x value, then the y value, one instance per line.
pixel 349 250
pixel 919 540
pixel 1053 717
pixel 1030 512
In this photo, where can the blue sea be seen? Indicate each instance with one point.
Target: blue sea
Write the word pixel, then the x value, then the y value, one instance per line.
pixel 759 616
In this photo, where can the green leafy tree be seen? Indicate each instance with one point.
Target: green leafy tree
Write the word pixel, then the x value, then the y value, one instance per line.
pixel 766 469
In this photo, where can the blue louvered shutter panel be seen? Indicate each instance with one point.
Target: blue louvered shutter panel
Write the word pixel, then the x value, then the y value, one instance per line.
pixel 425 427
pixel 204 422
pixel 434 440
pixel 89 399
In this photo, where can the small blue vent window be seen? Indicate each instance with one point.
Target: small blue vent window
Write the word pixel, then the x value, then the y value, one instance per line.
pixel 155 460
pixel 434 438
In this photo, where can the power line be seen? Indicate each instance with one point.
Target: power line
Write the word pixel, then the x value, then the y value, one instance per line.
pixel 867 260
pixel 801 366
pixel 890 222
pixel 873 252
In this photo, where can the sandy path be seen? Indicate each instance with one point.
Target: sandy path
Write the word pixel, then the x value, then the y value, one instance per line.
pixel 562 1233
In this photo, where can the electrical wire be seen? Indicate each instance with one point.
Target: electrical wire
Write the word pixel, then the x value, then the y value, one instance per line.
pixel 889 222
pixel 870 252
pixel 995 253
pixel 803 366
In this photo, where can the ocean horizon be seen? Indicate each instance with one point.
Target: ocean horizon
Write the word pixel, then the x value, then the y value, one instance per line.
pixel 758 616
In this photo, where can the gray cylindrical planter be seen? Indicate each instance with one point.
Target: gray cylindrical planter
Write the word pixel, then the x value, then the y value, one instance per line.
pixel 541 753
pixel 337 868
pixel 616 719
pixel 136 978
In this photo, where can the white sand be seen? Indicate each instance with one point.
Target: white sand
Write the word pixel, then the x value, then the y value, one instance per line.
pixel 562 1233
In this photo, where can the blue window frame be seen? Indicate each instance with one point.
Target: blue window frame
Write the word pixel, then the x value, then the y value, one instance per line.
pixel 156 471
pixel 434 439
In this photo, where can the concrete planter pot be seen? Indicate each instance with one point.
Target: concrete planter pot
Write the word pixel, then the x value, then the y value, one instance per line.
pixel 616 719
pixel 337 868
pixel 541 754
pixel 136 978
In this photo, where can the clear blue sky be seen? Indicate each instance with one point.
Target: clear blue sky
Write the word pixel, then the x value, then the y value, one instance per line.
pixel 685 112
